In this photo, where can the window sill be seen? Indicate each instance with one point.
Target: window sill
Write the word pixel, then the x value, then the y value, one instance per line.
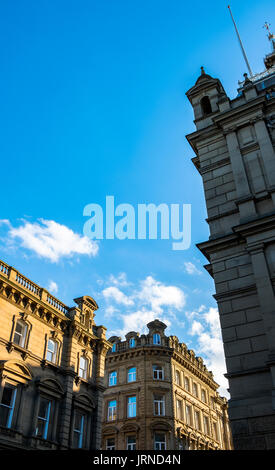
pixel 13 346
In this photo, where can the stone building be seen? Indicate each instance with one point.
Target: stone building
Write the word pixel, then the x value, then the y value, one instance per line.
pixel 52 361
pixel 159 395
pixel 234 154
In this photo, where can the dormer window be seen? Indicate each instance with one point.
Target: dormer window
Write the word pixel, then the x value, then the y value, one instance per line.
pixel 156 338
pixel 132 342
pixel 114 347
pixel 206 106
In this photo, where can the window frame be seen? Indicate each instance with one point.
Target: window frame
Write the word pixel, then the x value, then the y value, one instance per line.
pixel 113 414
pixel 160 442
pixel 132 373
pixel 22 342
pixel 156 335
pixel 132 342
pixel 44 419
pixel 86 369
pixel 112 378
pixel 132 407
pixel 158 372
pixel 11 406
pixel 110 447
pixel 55 352
pixel 131 445
pixel 79 432
pixel 159 404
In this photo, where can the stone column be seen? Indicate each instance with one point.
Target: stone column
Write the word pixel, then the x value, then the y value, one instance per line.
pixel 267 150
pixel 267 304
pixel 19 424
pixel 247 206
pixel 2 385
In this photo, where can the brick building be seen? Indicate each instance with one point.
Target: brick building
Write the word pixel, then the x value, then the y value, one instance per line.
pixel 160 396
pixel 52 360
pixel 234 153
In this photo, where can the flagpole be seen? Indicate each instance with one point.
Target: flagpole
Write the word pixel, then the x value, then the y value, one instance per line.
pixel 241 44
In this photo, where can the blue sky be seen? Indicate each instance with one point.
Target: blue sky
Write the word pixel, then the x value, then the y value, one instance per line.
pixel 93 104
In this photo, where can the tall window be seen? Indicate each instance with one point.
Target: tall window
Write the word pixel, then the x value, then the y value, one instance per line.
pixel 112 410
pixel 215 431
pixel 114 347
pixel 132 373
pixel 43 418
pixel 195 389
pixel 7 405
pixel 79 420
pixel 110 444
pixel 203 395
pixel 206 105
pixel 156 338
pixel 197 420
pixel 131 442
pixel 179 409
pixel 131 407
pixel 83 367
pixel 159 442
pixel 158 373
pixel 188 415
pixel 177 377
pixel 159 405
pixel 20 333
pixel 206 425
pixel 186 384
pixel 132 342
pixel 51 351
pixel 112 378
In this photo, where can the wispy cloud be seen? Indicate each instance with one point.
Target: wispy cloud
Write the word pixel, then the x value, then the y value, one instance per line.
pixel 191 269
pixel 149 300
pixel 51 240
pixel 207 331
pixel 53 287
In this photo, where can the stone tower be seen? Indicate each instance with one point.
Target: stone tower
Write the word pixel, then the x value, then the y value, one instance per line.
pixel 234 153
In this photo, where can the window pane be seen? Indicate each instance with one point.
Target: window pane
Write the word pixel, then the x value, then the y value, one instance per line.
pixel 131 407
pixel 7 396
pixel 132 374
pixel 4 414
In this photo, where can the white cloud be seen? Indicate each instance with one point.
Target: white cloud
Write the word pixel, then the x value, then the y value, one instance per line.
pixel 53 287
pixel 150 300
pixel 117 295
pixel 191 269
pixel 119 280
pixel 210 345
pixel 52 240
pixel 157 295
pixel 137 321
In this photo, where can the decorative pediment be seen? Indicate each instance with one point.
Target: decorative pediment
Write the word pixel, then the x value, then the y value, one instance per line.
pixel 84 400
pixel 16 369
pixel 130 427
pixel 50 386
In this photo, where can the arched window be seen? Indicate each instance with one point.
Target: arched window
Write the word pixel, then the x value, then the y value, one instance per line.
pixel 206 106
pixel 51 351
pixel 132 342
pixel 156 338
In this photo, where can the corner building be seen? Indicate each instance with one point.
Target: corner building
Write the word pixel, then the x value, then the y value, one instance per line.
pixel 234 153
pixel 52 361
pixel 159 395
